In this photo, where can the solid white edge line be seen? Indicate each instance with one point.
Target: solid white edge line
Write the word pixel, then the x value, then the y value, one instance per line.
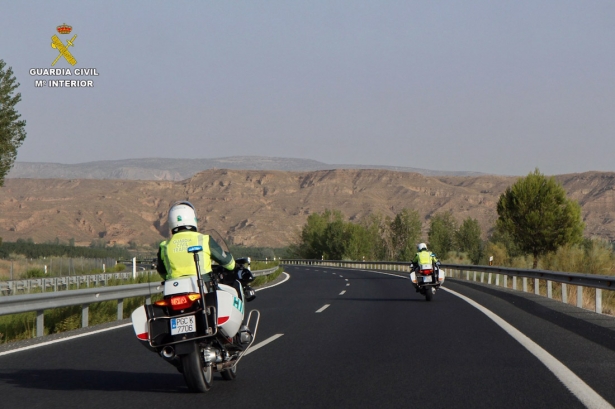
pixel 262 344
pixel 55 341
pixel 324 307
pixel 273 285
pixel 343 292
pixel 576 385
pixel 571 381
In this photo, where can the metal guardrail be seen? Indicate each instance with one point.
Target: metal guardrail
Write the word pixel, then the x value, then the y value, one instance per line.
pixel 14 287
pixel 62 283
pixel 48 300
pixel 493 275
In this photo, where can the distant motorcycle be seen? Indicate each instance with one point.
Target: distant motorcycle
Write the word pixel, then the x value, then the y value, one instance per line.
pixel 427 279
pixel 197 326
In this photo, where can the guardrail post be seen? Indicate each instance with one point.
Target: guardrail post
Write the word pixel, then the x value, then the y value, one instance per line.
pixel 148 300
pixel 565 293
pixel 549 289
pixel 120 309
pixel 482 276
pixel 579 296
pixel 525 284
pixel 489 280
pixel 497 280
pixel 536 286
pixel 599 300
pixel 468 275
pixel 505 281
pixel 40 323
pixel 85 309
pixel 514 285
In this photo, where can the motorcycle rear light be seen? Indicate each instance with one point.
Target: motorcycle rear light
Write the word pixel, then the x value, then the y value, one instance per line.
pixel 222 320
pixel 143 336
pixel 179 302
pixel 427 272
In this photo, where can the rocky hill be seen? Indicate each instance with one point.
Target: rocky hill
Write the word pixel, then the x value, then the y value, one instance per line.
pixel 264 208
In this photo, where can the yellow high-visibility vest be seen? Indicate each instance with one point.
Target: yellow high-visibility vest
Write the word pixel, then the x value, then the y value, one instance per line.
pixel 177 260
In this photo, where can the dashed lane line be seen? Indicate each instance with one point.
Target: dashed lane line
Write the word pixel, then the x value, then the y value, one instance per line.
pixel 324 307
pixel 343 292
pixel 262 344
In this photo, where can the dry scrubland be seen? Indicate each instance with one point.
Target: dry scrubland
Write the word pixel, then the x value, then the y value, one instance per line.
pixel 265 208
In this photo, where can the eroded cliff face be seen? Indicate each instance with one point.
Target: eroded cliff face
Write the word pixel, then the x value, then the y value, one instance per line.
pixel 264 208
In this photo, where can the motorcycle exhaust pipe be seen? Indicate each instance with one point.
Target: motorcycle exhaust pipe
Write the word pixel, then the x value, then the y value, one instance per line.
pixel 168 352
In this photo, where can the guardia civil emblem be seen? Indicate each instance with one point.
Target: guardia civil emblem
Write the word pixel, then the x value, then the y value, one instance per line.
pixel 59 45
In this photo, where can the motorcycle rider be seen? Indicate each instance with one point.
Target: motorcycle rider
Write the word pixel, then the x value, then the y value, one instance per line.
pixel 173 257
pixel 424 256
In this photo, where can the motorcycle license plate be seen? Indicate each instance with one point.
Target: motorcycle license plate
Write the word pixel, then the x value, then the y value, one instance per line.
pixel 183 325
pixel 427 279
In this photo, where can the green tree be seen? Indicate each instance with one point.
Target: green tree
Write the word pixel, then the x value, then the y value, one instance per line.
pixel 376 227
pixel 539 217
pixel 503 237
pixel 441 234
pixel 335 239
pixel 12 130
pixel 312 243
pixel 360 244
pixel 405 231
pixel 468 239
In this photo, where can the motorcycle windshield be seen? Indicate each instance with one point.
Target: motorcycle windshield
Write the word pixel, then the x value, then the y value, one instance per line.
pixel 218 238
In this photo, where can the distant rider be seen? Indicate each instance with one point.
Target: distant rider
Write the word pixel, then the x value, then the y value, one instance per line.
pixel 424 256
pixel 173 257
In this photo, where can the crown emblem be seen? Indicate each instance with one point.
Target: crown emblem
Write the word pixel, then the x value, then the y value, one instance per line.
pixel 64 29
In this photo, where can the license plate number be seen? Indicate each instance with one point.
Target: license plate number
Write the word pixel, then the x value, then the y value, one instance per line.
pixel 183 325
pixel 427 279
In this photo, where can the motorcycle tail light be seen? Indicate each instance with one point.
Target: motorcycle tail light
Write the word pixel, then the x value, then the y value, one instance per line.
pixel 427 272
pixel 179 302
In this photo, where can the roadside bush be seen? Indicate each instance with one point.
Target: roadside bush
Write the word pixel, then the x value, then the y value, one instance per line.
pixel 34 273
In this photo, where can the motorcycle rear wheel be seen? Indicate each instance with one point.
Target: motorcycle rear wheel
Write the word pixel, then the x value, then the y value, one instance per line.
pixel 229 374
pixel 428 293
pixel 197 375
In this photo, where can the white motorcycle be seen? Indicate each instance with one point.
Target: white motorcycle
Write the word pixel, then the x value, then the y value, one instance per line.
pixel 199 326
pixel 427 279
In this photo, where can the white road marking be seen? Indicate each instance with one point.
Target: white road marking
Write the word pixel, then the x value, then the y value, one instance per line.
pixel 341 275
pixel 580 389
pixel 273 285
pixel 324 307
pixel 55 341
pixel 347 284
pixel 262 344
pixel 343 292
pixel 12 351
pixel 345 279
pixel 576 385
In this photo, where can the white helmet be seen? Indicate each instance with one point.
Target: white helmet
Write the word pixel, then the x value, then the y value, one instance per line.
pixel 182 214
pixel 422 246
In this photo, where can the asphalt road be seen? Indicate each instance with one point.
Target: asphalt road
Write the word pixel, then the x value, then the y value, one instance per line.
pixel 377 344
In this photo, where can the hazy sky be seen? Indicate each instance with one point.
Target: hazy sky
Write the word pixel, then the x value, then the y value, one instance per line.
pixel 490 86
